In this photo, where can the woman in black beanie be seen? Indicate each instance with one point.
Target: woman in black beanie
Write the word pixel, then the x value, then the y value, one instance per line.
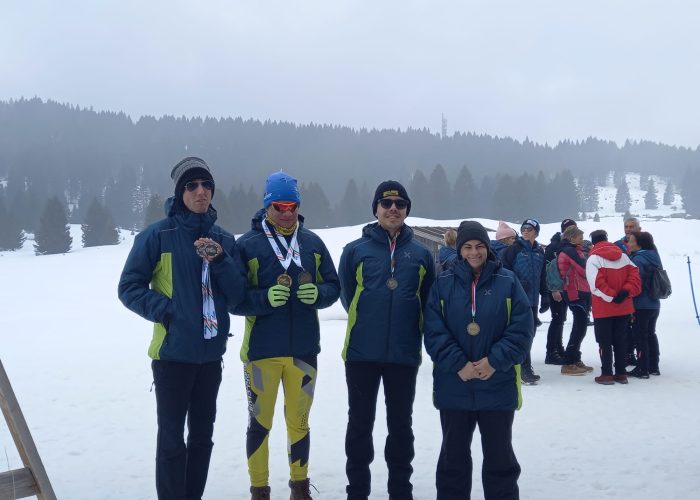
pixel 478 329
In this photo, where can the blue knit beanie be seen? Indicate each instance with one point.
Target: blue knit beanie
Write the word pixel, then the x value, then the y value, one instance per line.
pixel 280 187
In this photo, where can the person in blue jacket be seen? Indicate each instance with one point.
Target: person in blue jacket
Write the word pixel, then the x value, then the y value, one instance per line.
pixel 447 253
pixel 183 273
pixel 645 256
pixel 290 277
pixel 526 259
pixel 478 330
pixel 385 277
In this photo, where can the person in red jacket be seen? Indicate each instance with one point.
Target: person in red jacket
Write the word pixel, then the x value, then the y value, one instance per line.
pixel 613 280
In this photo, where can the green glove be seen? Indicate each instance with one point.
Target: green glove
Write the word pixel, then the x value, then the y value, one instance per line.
pixel 278 295
pixel 307 293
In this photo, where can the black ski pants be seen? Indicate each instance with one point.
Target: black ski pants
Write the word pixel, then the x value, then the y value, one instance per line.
pixel 185 392
pixel 399 383
pixel 500 469
pixel 611 335
pixel 528 358
pixel 644 330
pixel 555 332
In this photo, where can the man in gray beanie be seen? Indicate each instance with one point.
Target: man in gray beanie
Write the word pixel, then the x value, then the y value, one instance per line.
pixel 183 274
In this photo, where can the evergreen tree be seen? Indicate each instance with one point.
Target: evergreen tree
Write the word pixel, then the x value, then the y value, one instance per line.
pixel 419 191
pixel 650 199
pixel 439 189
pixel 690 191
pixel 596 217
pixel 11 235
pixel 622 197
pixel 463 196
pixel 351 209
pixel 644 182
pixel 53 233
pixel 315 206
pixel 565 195
pixel 668 193
pixel 155 210
pixel 505 204
pixel 98 228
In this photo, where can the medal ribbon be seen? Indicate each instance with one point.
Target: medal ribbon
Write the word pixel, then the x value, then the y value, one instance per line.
pixel 392 247
pixel 474 283
pixel 211 325
pixel 292 249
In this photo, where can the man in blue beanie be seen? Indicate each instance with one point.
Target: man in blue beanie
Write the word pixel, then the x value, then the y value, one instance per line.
pixel 385 278
pixel 290 277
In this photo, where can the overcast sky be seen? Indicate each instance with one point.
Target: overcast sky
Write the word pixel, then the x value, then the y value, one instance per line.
pixel 548 70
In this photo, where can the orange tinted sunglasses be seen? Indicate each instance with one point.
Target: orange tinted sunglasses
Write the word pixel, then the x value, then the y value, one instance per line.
pixel 285 206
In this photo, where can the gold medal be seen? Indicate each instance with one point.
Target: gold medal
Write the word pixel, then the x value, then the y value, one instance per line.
pixel 285 280
pixel 473 328
pixel 391 283
pixel 304 277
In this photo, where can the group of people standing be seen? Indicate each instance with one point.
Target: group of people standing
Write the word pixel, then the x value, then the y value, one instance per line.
pixel 186 274
pixel 477 320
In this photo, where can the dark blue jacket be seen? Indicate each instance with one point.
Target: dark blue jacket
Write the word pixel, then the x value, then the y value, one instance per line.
pixel 447 257
pixel 527 262
pixel 498 247
pixel 646 261
pixel 162 281
pixel 293 328
pixel 384 325
pixel 505 317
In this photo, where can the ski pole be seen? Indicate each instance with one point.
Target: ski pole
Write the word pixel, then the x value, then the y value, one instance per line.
pixel 692 291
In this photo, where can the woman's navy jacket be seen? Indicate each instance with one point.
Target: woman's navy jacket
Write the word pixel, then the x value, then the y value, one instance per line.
pixel 646 261
pixel 384 325
pixel 505 317
pixel 162 282
pixel 293 328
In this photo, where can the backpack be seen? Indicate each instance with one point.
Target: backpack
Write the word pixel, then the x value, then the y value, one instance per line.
pixel 555 283
pixel 659 284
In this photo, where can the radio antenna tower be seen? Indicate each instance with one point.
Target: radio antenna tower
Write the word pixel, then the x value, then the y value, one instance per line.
pixel 444 126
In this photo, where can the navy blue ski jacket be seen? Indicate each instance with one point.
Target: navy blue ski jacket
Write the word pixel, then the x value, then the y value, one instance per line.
pixel 384 325
pixel 646 261
pixel 527 262
pixel 505 317
pixel 162 282
pixel 293 328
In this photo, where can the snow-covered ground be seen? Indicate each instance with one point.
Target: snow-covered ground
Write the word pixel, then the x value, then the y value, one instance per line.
pixel 77 360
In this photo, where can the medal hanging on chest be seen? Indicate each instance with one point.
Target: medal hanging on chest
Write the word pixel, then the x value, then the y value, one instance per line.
pixel 392 283
pixel 293 254
pixel 473 328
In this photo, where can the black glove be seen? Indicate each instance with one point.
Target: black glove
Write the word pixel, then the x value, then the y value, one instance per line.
pixel 621 296
pixel 544 304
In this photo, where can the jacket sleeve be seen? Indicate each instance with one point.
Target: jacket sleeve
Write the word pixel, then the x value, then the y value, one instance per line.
pixel 229 273
pixel 329 284
pixel 512 348
pixel 134 284
pixel 508 256
pixel 544 291
pixel 428 281
pixel 633 283
pixel 439 341
pixel 592 276
pixel 254 301
pixel 346 274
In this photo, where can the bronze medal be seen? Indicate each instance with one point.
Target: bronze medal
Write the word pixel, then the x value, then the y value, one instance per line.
pixel 304 277
pixel 207 250
pixel 473 328
pixel 285 280
pixel 392 283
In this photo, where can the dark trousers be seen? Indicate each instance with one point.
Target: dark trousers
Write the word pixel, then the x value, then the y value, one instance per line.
pixel 579 309
pixel 500 470
pixel 528 358
pixel 184 392
pixel 399 392
pixel 644 331
pixel 611 335
pixel 555 332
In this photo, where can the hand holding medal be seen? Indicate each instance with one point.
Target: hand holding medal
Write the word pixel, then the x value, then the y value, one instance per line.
pixel 208 249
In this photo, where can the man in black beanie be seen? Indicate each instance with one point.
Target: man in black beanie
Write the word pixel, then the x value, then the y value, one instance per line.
pixel 184 274
pixel 385 277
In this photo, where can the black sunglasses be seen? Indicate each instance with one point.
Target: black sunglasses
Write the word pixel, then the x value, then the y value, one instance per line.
pixel 194 185
pixel 386 203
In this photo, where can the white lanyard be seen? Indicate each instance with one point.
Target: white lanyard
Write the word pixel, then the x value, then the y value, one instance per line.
pixel 292 249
